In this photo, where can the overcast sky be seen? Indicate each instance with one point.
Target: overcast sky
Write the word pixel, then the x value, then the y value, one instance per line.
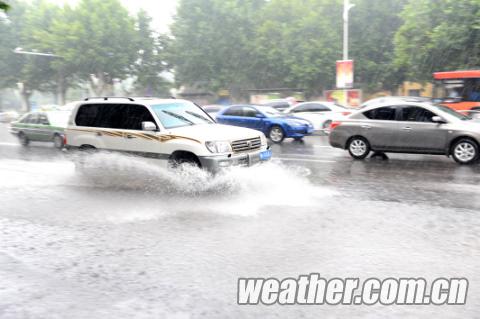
pixel 161 11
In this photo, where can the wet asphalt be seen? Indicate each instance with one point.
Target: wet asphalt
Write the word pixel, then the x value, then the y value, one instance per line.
pixel 127 239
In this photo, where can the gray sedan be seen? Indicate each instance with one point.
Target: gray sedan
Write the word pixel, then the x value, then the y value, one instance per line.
pixel 408 126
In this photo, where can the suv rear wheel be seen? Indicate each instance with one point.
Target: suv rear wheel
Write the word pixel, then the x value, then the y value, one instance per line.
pixel 358 147
pixel 465 151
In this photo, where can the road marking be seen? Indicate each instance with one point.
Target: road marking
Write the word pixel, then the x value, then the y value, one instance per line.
pixel 308 155
pixel 304 160
pixel 9 144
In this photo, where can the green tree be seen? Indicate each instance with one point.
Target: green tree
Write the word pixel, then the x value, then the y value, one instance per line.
pixel 298 42
pixel 99 43
pixel 150 63
pixel 438 35
pixel 212 45
pixel 373 24
pixel 4 6
pixel 43 32
pixel 25 72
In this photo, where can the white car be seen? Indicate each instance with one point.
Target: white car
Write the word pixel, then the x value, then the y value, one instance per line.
pixel 172 131
pixel 320 114
pixel 7 117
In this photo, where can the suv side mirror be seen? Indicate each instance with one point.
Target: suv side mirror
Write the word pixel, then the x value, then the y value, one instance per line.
pixel 438 120
pixel 259 116
pixel 149 126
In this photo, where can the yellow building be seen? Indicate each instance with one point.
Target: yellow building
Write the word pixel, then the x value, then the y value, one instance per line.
pixel 415 89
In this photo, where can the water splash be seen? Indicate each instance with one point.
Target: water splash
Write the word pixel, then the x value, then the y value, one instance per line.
pixel 122 188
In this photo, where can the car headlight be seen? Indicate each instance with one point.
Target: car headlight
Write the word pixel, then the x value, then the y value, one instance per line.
pixel 296 123
pixel 218 146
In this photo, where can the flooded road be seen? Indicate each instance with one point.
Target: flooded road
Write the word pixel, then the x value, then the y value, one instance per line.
pixel 126 239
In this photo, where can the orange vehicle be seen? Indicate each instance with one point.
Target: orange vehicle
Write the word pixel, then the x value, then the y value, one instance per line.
pixel 459 90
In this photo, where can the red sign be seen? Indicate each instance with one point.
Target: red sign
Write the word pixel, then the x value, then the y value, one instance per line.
pixel 345 74
pixel 352 98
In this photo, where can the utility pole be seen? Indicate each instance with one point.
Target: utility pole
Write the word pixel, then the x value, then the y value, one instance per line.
pixel 346 9
pixel 60 82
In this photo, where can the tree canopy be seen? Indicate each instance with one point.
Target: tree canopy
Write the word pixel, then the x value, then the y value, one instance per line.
pixel 96 42
pixel 438 35
pixel 234 44
pixel 282 43
pixel 4 6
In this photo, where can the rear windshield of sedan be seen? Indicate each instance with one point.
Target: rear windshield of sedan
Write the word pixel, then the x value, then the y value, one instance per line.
pixel 180 114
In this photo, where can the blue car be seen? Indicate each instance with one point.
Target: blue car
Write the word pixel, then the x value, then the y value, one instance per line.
pixel 275 125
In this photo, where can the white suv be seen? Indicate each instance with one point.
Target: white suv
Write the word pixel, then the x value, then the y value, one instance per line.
pixel 174 131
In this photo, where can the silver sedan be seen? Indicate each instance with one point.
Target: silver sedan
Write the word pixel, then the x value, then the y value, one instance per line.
pixel 408 126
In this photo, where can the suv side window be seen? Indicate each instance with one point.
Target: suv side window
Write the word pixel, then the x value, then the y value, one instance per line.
pixel 101 115
pixel 135 116
pixel 87 115
pixel 386 113
pixel 234 111
pixel 415 114
pixel 118 116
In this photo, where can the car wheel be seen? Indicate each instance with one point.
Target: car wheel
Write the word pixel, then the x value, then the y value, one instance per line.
pixel 465 151
pixel 80 158
pixel 58 141
pixel 359 148
pixel 177 162
pixel 276 134
pixel 23 139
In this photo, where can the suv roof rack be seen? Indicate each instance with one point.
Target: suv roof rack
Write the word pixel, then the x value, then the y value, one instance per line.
pixel 109 97
pixel 154 97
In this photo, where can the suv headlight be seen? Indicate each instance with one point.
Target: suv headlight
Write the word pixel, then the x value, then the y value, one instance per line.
pixel 263 140
pixel 218 147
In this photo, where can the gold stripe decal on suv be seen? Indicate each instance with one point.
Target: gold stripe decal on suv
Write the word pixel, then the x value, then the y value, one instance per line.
pixel 159 138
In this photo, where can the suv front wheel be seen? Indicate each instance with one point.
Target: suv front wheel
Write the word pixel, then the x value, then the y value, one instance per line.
pixel 181 159
pixel 465 151
pixel 358 147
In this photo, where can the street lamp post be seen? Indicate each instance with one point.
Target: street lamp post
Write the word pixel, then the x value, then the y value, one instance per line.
pixel 346 9
pixel 50 55
pixel 60 86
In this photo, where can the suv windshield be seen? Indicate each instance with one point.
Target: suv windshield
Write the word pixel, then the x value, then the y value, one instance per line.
pixel 180 114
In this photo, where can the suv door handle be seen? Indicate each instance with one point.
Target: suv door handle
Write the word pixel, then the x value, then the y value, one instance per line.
pixel 407 128
pixel 366 127
pixel 130 136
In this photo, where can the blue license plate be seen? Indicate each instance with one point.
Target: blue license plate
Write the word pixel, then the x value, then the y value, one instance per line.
pixel 265 155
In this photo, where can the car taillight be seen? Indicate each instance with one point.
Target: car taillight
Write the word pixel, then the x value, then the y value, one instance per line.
pixel 346 113
pixel 64 139
pixel 334 125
